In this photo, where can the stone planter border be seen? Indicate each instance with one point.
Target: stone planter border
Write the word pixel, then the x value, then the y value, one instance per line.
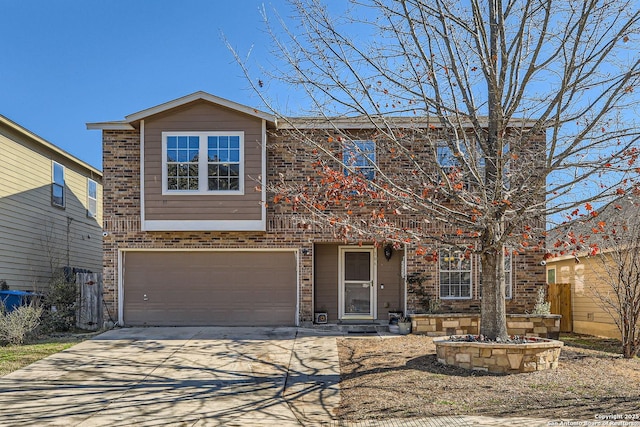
pixel 500 358
pixel 445 324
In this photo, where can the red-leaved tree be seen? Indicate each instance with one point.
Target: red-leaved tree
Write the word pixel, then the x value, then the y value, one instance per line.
pixel 487 117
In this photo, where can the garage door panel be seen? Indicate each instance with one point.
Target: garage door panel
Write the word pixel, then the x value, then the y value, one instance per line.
pixel 210 288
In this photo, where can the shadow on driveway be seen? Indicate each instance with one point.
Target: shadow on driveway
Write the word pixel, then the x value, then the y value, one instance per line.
pixel 179 376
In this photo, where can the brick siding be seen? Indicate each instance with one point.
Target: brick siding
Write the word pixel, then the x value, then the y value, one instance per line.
pixel 122 222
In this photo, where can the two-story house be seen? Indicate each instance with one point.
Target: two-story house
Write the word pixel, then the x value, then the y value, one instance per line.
pixel 192 240
pixel 50 211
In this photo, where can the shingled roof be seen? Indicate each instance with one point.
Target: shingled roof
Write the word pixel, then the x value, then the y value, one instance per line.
pixel 605 227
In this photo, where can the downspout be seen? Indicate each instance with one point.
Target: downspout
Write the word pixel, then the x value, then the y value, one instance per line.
pixel 69 221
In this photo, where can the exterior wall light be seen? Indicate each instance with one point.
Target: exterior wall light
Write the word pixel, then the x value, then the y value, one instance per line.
pixel 388 252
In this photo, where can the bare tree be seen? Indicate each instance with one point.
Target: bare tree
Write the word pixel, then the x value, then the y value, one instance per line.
pixel 496 114
pixel 617 290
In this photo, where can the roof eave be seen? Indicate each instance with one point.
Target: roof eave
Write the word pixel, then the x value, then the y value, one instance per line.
pixel 120 125
pixel 373 122
pixel 197 96
pixel 38 139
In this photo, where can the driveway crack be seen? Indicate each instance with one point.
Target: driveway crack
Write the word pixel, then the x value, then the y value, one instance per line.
pixel 286 381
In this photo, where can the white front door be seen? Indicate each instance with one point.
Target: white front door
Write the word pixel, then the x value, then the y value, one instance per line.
pixel 357 280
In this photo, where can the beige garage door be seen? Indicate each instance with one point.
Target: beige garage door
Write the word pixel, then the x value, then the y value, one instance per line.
pixel 209 288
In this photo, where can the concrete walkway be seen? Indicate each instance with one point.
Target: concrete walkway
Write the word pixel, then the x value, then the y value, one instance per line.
pixel 179 376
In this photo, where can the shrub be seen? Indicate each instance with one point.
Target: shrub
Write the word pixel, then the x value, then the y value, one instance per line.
pixel 60 301
pixel 20 324
pixel 542 305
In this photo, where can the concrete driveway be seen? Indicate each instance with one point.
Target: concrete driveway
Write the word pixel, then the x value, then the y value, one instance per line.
pixel 193 376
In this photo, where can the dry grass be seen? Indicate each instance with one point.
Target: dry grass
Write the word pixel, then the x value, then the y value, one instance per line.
pixel 400 377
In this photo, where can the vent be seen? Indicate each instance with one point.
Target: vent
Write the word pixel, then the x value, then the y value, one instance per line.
pixel 321 317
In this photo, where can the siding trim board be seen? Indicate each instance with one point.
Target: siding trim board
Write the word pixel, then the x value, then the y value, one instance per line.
pixel 142 196
pixel 120 296
pixel 298 287
pixel 403 277
pixel 116 125
pixel 203 225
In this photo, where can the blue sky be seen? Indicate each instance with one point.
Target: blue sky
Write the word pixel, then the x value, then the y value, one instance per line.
pixel 68 62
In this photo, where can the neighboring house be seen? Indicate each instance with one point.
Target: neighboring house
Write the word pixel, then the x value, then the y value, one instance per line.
pixel 187 247
pixel 50 210
pixel 587 276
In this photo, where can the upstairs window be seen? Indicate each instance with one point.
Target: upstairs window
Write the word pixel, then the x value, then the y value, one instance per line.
pixel 446 160
pixel 360 158
pixel 203 163
pixel 451 164
pixel 455 274
pixel 92 198
pixel 182 163
pixel 223 157
pixel 57 185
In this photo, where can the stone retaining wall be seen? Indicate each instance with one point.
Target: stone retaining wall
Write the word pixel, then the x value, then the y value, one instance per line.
pixel 500 358
pixel 529 325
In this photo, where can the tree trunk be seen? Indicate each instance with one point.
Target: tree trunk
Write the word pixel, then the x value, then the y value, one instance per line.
pixel 493 320
pixel 493 323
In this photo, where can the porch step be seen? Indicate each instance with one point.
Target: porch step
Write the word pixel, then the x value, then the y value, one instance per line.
pixel 353 328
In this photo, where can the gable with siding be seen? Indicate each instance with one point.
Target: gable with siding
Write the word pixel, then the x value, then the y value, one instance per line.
pixel 206 117
pixel 241 210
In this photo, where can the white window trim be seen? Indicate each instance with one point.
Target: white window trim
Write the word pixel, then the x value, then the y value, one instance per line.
pixel 89 199
pixel 471 264
pixel 202 165
pixel 64 184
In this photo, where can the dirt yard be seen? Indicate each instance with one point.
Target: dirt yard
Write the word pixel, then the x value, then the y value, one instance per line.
pixel 399 377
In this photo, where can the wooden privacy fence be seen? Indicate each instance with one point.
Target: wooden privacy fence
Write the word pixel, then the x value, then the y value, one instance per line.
pixel 559 295
pixel 89 312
